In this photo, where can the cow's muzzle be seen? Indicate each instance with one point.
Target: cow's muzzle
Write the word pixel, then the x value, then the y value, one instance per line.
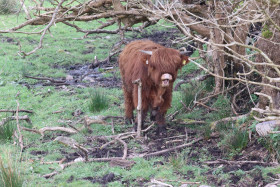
pixel 165 78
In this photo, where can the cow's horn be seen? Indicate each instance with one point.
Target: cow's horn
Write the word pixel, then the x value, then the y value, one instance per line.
pixel 147 52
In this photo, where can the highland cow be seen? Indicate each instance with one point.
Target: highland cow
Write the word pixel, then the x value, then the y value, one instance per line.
pixel 156 66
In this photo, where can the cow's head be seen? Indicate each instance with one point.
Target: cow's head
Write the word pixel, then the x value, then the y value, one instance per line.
pixel 163 65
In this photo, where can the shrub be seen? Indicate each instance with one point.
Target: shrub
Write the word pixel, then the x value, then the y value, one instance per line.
pixel 9 174
pixel 8 6
pixel 98 100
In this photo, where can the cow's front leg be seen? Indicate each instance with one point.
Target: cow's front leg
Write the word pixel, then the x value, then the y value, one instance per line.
pixel 161 125
pixel 160 116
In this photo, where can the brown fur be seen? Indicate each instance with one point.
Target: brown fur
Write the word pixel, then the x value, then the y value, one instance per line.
pixel 132 63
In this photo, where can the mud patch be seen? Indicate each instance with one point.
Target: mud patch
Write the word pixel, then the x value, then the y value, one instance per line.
pixel 102 180
pixel 4 39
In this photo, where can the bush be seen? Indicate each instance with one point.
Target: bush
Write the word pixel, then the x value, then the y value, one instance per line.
pixel 8 6
pixel 98 100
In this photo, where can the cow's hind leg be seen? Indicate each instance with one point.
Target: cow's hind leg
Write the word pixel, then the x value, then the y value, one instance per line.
pixel 129 107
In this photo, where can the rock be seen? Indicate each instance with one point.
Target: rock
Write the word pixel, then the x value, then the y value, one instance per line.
pixel 69 77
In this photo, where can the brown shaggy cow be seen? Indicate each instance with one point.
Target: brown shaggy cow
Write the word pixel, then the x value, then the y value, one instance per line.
pixel 157 67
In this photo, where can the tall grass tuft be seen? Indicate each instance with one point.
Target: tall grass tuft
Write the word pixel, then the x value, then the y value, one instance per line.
pixel 7 131
pixel 8 6
pixel 98 100
pixel 9 174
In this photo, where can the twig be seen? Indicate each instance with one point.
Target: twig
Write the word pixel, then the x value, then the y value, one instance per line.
pixel 205 106
pixel 149 127
pixel 20 138
pixel 44 31
pixel 50 174
pixel 160 183
pixel 198 78
pixel 124 149
pixel 173 148
pixel 112 127
pixel 84 150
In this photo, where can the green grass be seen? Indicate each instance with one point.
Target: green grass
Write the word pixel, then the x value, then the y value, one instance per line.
pixel 66 49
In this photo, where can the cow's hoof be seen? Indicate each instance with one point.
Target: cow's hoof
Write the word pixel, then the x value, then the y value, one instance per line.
pixel 152 118
pixel 153 114
pixel 161 131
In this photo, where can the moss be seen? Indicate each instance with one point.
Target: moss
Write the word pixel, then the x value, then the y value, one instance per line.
pixel 266 33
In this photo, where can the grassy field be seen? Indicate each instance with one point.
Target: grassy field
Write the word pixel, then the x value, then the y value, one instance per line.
pixel 66 53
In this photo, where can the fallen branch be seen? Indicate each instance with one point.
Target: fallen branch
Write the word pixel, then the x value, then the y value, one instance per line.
pixel 54 162
pixel 25 117
pixel 220 161
pixel 96 119
pixel 214 124
pixel 14 111
pixel 46 79
pixel 63 166
pixel 44 129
